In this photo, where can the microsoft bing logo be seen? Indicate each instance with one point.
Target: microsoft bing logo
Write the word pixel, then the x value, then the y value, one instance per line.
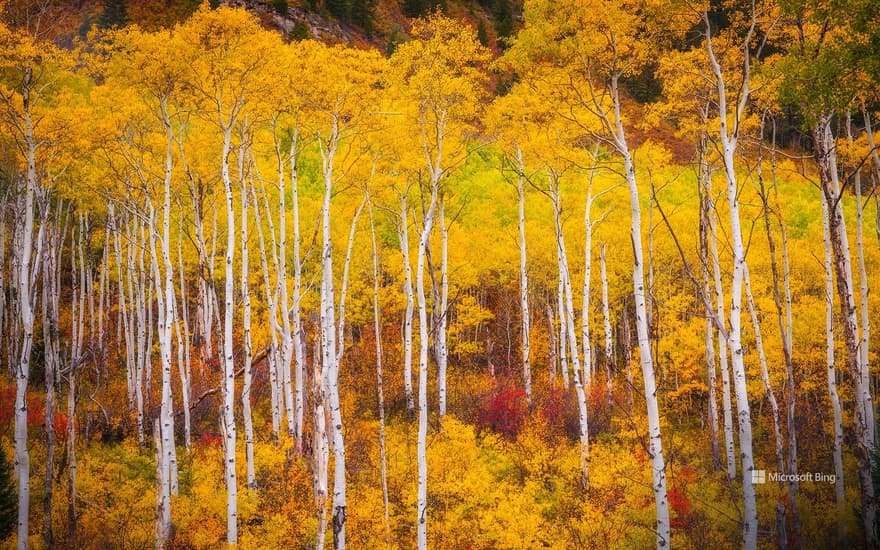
pixel 759 477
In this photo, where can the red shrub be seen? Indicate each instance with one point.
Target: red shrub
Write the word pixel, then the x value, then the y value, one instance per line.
pixel 36 412
pixel 681 507
pixel 7 407
pixel 210 440
pixel 504 411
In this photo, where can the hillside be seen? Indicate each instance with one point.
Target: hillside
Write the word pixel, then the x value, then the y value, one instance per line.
pixel 375 23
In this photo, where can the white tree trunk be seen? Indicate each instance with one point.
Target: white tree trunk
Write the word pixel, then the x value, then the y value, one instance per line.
pixel 52 362
pixel 588 274
pixel 865 341
pixel 403 235
pixel 443 351
pixel 422 496
pixel 168 319
pixel 551 341
pixel 184 365
pixel 726 400
pixel 524 279
pixel 287 339
pixel 103 284
pixel 123 309
pixel 567 319
pixel 563 329
pixel 656 444
pixel 273 356
pixel 298 336
pixel 228 359
pixel 765 375
pixel 330 354
pixel 136 279
pixel 162 502
pixel 165 430
pixel 380 392
pixel 71 459
pixel 734 342
pixel 321 451
pixel 711 367
pixel 246 324
pixel 837 447
pixel 28 262
pixel 609 344
pixel 76 343
pixel 340 503
pixel 826 158
pixel 658 464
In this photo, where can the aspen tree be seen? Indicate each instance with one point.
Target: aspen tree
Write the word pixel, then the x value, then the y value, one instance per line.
pixel 590 48
pixel 818 78
pixel 831 369
pixel 246 318
pixel 609 344
pixel 438 78
pixel 222 49
pixel 782 300
pixel 728 137
pixel 523 277
pixel 567 320
pixel 403 237
pixel 380 392
pixel 55 235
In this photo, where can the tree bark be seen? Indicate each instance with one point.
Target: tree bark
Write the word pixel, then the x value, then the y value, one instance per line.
pixel 246 324
pixel 726 401
pixel 52 361
pixel 380 392
pixel 524 279
pixel 567 320
pixel 551 340
pixel 609 345
pixel 422 496
pixel 274 355
pixel 403 235
pixel 228 359
pixel 711 367
pixel 28 259
pixel 784 318
pixel 826 159
pixel 588 272
pixel 563 328
pixel 765 376
pixel 298 336
pixel 183 341
pixel 837 446
pixel 443 351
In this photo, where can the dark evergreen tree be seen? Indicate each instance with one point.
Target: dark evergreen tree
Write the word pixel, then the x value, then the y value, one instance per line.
pixel 503 18
pixel 415 8
pixel 8 499
pixel 340 9
pixel 300 31
pixel 393 41
pixel 362 14
pixel 114 14
pixel 482 33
